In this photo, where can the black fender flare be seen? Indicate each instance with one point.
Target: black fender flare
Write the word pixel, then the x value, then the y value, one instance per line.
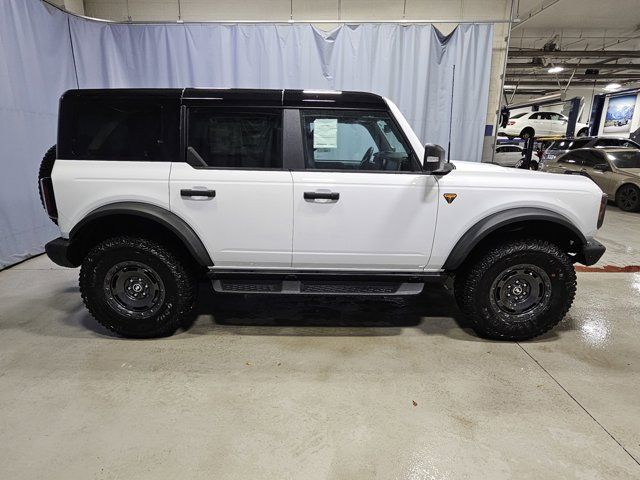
pixel 162 216
pixel 497 220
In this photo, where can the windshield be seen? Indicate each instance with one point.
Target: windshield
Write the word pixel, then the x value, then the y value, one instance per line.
pixel 625 159
pixel 567 144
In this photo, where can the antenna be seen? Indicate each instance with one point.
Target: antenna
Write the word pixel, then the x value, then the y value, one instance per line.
pixel 453 84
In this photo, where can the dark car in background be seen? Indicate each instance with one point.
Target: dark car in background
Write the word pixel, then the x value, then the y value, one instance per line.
pixel 565 145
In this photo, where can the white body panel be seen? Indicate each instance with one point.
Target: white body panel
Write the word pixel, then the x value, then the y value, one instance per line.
pixel 382 221
pixel 81 186
pixel 248 223
pixel 484 189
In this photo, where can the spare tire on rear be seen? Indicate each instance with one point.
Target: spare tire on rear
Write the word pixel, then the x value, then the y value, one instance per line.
pixel 46 167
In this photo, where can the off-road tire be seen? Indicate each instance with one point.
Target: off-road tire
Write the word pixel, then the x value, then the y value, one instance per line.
pixel 179 284
pixel 473 289
pixel 46 167
pixel 628 198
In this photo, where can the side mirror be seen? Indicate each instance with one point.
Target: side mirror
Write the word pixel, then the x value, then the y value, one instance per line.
pixel 603 167
pixel 433 157
pixel 434 160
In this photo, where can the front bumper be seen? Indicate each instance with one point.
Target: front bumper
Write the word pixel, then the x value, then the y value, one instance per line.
pixel 590 253
pixel 59 252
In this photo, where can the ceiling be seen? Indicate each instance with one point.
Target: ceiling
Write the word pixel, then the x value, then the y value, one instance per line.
pixel 574 33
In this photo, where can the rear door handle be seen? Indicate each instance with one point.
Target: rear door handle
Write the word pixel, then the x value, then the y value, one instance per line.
pixel 335 196
pixel 187 192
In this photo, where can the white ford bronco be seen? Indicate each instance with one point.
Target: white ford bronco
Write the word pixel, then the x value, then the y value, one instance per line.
pixel 299 192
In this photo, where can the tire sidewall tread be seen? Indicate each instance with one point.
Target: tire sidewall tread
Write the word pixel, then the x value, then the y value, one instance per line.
pixel 472 288
pixel 179 282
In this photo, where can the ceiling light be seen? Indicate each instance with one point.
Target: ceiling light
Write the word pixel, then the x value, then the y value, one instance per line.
pixel 509 87
pixel 555 69
pixel 612 86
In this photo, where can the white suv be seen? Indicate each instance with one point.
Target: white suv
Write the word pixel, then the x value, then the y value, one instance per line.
pixel 299 192
pixel 539 124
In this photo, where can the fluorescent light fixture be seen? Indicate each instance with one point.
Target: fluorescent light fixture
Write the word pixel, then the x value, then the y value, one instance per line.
pixel 612 86
pixel 323 92
pixel 555 69
pixel 509 87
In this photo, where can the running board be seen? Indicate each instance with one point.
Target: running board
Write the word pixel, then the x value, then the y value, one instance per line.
pixel 320 283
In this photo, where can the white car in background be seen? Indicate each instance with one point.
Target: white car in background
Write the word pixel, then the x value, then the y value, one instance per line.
pixel 508 155
pixel 538 124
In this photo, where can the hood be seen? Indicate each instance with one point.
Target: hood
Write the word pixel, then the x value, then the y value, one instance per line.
pixel 632 172
pixel 480 166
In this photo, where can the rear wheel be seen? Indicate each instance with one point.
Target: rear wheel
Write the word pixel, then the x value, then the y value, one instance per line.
pixel 137 287
pixel 628 198
pixel 583 132
pixel 518 290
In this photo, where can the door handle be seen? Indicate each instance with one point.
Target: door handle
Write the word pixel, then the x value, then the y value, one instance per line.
pixel 186 192
pixel 335 196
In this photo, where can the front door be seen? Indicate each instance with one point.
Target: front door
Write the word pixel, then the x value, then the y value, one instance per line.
pixel 233 191
pixel 362 201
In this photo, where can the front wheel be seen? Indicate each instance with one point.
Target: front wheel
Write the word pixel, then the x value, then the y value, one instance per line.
pixel 137 288
pixel 628 198
pixel 518 290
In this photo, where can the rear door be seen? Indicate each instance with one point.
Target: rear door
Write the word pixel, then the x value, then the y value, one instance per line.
pixel 558 124
pixel 234 191
pixel 361 200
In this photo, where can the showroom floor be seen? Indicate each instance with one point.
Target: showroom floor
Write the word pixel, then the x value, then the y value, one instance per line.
pixel 322 388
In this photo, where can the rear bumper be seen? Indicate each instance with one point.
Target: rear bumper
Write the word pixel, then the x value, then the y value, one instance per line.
pixel 591 252
pixel 58 251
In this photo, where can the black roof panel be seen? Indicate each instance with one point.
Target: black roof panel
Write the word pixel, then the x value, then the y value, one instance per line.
pixel 247 97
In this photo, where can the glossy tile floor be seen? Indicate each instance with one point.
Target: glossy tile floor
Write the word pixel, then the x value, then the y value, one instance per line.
pixel 263 388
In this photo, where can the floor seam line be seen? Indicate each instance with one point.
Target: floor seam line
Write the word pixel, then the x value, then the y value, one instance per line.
pixel 578 403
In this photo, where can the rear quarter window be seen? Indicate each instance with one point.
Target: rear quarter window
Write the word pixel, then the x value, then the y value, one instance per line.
pixel 119 128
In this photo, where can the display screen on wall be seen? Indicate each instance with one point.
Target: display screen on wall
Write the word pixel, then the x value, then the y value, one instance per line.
pixel 619 114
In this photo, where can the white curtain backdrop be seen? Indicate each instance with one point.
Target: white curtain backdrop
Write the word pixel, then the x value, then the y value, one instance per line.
pixel 44 52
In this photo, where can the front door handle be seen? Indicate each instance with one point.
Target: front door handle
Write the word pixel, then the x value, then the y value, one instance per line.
pixel 335 196
pixel 187 192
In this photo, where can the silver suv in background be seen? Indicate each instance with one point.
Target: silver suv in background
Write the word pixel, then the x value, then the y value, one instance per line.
pixel 565 145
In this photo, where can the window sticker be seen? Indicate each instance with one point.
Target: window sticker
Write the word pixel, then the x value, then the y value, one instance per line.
pixel 325 133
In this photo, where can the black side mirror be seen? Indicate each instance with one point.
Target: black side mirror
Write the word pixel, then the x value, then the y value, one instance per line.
pixel 603 167
pixel 433 157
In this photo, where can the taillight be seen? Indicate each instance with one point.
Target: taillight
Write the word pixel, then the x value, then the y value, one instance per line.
pixel 603 208
pixel 512 122
pixel 46 187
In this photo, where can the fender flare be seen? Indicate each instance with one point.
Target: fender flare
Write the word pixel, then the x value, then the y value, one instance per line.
pixel 497 220
pixel 161 216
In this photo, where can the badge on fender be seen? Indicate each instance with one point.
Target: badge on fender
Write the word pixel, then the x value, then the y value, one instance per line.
pixel 450 197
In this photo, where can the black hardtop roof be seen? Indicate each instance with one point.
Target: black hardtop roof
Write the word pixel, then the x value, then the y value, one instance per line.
pixel 245 96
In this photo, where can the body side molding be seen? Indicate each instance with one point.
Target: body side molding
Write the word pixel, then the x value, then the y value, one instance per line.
pixel 160 215
pixel 493 222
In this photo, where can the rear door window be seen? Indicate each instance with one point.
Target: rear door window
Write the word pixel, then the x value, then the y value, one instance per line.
pixel 230 139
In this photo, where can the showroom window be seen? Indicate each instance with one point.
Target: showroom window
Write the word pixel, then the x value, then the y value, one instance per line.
pixel 134 129
pixel 231 139
pixel 354 140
